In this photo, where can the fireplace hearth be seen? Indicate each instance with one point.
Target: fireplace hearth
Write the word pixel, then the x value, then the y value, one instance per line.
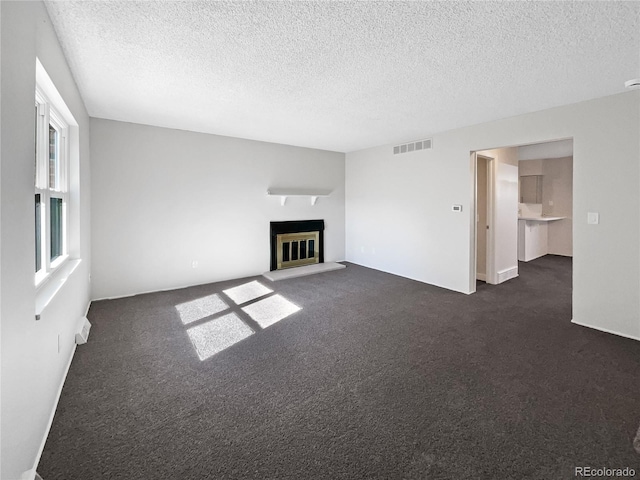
pixel 296 243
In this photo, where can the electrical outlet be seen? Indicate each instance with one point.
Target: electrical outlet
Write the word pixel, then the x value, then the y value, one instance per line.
pixel 551 203
pixel 194 264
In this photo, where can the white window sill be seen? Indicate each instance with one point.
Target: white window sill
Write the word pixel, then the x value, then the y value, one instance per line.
pixel 42 277
pixel 50 286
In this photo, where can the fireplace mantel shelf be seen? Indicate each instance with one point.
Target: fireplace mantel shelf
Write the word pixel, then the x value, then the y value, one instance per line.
pixel 283 193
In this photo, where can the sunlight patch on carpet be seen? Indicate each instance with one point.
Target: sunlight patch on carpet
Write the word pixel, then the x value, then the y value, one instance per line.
pixel 200 308
pixel 216 335
pixel 270 310
pixel 248 291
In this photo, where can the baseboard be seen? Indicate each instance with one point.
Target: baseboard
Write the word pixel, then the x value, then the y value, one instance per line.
pixel 28 475
pixel 507 274
pixel 606 330
pixel 31 474
pixel 168 289
pixel 146 292
pixel 415 279
pixel 53 411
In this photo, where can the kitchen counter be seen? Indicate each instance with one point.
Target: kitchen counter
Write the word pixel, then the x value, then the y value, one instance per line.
pixel 541 219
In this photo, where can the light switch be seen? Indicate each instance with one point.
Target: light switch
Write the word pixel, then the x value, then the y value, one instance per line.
pixel 551 203
pixel 593 218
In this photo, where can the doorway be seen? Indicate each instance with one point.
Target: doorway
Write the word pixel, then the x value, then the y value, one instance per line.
pixel 545 210
pixel 494 219
pixel 499 207
pixel 482 216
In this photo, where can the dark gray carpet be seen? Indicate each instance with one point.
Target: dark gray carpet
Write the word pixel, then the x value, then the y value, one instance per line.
pixel 376 377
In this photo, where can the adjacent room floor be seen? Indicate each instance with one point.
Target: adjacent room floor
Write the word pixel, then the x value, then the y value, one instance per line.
pixel 347 374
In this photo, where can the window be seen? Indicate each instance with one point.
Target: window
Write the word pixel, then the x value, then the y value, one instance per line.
pixel 51 188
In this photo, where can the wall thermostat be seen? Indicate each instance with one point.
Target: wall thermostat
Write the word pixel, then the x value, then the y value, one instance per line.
pixel 456 208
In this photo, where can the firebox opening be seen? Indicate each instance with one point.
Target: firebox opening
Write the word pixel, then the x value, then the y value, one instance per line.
pixel 297 249
pixel 296 243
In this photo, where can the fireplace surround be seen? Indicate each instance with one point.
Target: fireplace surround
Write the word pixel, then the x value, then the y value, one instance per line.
pixel 296 243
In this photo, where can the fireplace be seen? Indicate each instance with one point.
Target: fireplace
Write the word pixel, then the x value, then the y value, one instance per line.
pixel 296 243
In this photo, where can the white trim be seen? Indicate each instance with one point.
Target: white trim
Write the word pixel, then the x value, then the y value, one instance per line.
pixel 41 102
pixel 606 330
pixel 30 474
pixel 168 289
pixel 49 115
pixel 52 285
pixel 59 260
pixel 506 274
pixel 491 275
pixel 473 225
pixel 50 92
pixel 53 412
pixel 415 279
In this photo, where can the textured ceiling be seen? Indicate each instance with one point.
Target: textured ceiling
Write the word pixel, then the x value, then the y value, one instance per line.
pixel 342 75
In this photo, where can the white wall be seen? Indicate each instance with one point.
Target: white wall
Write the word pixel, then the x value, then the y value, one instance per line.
pixel 399 216
pixel 32 368
pixel 530 167
pixel 163 198
pixel 559 149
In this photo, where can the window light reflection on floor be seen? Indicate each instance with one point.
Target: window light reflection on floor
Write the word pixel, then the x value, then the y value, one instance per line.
pixel 218 334
pixel 248 291
pixel 270 310
pixel 200 308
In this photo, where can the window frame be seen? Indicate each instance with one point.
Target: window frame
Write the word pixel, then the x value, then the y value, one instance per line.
pixel 48 116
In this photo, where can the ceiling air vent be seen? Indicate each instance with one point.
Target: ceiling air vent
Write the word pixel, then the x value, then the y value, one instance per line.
pixel 412 146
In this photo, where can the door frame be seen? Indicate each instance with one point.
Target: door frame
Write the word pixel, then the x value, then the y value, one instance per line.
pixel 491 276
